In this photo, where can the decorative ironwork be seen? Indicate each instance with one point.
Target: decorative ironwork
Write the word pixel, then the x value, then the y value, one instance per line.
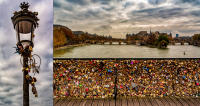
pixel 25 14
pixel 24 6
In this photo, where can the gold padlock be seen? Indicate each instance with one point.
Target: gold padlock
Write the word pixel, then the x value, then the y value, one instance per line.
pixel 30 48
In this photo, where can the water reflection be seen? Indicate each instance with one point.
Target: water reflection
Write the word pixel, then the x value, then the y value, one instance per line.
pixel 128 51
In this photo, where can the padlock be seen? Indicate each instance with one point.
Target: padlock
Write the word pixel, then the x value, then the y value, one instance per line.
pixel 34 79
pixel 30 48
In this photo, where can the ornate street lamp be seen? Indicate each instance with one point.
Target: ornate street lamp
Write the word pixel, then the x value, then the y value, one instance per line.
pixel 25 22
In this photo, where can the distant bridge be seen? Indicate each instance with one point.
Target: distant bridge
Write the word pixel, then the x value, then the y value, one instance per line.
pixel 182 42
pixel 138 42
pixel 107 42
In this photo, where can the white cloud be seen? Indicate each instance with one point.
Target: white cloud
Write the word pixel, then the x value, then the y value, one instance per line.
pixel 162 15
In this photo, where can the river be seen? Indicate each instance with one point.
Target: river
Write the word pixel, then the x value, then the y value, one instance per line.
pixel 128 51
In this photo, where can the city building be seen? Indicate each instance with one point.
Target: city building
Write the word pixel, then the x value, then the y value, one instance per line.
pixel 177 35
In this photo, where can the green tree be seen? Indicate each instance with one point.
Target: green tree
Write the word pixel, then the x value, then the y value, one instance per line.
pixel 162 41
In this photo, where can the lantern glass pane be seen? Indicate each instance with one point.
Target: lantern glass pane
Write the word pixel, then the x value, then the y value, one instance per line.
pixel 17 37
pixel 25 37
pixel 24 27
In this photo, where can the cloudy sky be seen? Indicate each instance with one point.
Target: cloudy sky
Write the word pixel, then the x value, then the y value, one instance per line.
pixel 118 17
pixel 10 67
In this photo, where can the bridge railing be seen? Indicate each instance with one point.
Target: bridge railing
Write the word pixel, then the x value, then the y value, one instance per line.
pixel 126 78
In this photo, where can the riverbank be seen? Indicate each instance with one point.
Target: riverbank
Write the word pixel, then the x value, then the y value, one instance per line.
pixel 69 46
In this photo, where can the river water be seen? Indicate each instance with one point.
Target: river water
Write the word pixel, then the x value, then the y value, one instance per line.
pixel 128 51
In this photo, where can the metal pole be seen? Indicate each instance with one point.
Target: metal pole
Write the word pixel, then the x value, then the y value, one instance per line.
pixel 25 84
pixel 115 88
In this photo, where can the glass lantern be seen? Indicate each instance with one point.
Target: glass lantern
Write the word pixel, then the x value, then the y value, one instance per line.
pixel 25 22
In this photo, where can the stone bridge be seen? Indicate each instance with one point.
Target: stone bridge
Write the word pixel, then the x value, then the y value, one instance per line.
pixel 182 41
pixel 107 42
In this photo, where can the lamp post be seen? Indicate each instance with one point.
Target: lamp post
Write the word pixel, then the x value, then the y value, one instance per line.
pixel 115 87
pixel 25 22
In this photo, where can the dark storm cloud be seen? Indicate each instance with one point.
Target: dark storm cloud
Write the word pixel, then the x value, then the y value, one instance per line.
pixel 155 2
pixel 195 13
pixel 79 2
pixel 187 30
pixel 167 13
pixel 69 8
pixel 84 15
pixel 128 4
pixel 105 27
pixel 92 13
pixel 160 12
pixel 108 8
pixel 149 10
pixel 56 4
pixel 105 2
pixel 193 2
